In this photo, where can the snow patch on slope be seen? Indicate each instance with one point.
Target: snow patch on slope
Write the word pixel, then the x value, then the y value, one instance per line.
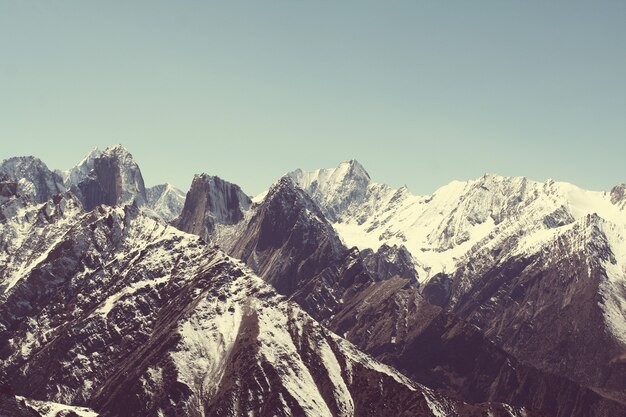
pixel 52 409
pixel 434 407
pixel 207 338
pixel 110 302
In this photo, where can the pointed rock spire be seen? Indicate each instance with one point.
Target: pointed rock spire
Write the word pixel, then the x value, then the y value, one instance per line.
pixel 211 201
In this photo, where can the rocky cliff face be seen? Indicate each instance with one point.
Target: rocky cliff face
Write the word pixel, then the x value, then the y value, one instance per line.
pixel 10 199
pixel 209 203
pixel 618 195
pixel 11 406
pixel 287 239
pixel 110 177
pixel 396 325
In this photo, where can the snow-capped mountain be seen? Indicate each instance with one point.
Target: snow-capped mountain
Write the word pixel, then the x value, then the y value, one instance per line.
pixel 336 190
pixel 33 177
pixel 495 290
pixel 165 201
pixel 110 177
pixel 288 222
pixel 129 316
pixel 484 221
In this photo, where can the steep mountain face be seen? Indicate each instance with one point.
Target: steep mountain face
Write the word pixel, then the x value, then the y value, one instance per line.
pixel 165 201
pixel 397 326
pixel 110 177
pixel 79 172
pixel 24 241
pixel 131 317
pixel 287 239
pixel 11 406
pixel 34 179
pixel 209 203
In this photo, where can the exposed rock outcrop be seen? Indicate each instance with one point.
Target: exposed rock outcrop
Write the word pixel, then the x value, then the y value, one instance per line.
pixel 210 202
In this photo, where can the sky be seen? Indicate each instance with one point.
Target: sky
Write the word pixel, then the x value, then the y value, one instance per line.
pixel 420 92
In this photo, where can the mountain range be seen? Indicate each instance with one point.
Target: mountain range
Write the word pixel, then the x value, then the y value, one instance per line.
pixel 327 295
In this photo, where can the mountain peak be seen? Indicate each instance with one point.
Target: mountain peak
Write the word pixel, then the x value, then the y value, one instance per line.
pixel 334 189
pixel 34 177
pixel 327 179
pixel 117 149
pixel 284 189
pixel 204 177
pixel 490 177
pixel 165 201
pixel 284 182
pixel 211 201
pixel 213 181
pixel 110 177
pixel 86 165
pixel 355 168
pixel 23 162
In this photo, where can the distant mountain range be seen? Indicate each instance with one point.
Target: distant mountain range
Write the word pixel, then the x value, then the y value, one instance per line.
pixel 327 295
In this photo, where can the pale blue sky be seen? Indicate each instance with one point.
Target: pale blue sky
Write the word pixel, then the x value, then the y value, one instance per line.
pixel 420 92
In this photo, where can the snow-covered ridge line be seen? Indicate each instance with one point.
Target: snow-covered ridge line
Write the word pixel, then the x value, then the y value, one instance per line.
pixel 441 228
